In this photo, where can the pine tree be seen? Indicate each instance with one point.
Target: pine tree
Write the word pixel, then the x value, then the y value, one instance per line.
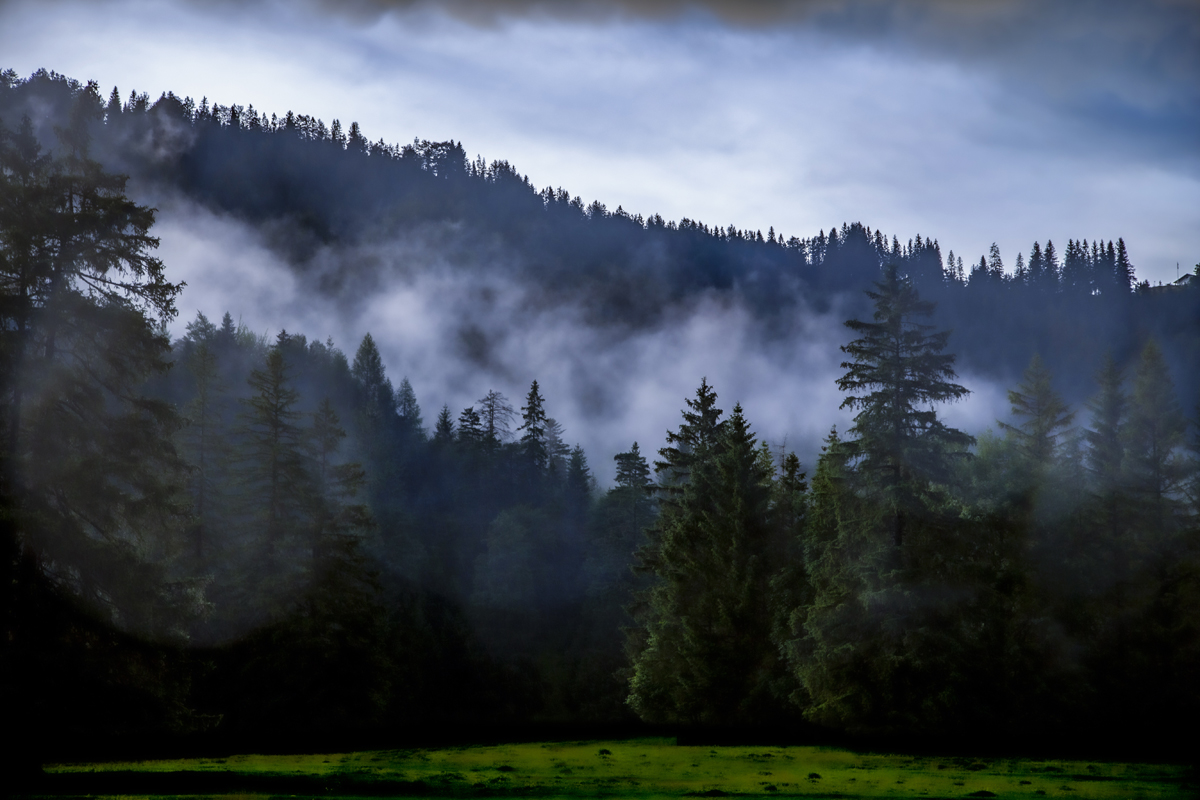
pixel 1154 435
pixel 695 437
pixel 898 373
pixel 1037 266
pixel 93 508
pixel 633 473
pixel 534 456
pixel 443 431
pixel 276 478
pixel 89 478
pixel 621 515
pixel 704 652
pixel 1123 270
pixel 1051 271
pixel 1106 438
pixel 204 437
pixel 557 451
pixel 995 264
pixel 470 429
pixel 578 484
pixel 368 371
pixel 1046 416
pixel 336 484
pixel 407 407
pixel 1075 276
pixel 819 640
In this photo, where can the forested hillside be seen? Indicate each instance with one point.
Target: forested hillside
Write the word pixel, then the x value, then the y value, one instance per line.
pixel 310 185
pixel 234 535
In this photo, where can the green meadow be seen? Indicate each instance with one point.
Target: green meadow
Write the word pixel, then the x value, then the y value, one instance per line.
pixel 646 768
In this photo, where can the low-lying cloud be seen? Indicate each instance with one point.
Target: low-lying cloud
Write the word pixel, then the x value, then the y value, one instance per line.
pixel 459 324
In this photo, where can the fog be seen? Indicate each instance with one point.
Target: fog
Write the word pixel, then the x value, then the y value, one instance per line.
pixel 459 321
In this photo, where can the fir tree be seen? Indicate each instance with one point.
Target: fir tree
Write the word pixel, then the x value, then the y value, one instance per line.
pixel 470 429
pixel 1046 416
pixel 443 431
pixel 695 436
pixel 705 652
pixel 1106 438
pixel 578 483
pixel 376 388
pixel 533 423
pixel 407 407
pixel 276 477
pixel 205 436
pixel 89 478
pixel 1154 435
pixel 897 374
pixel 1122 269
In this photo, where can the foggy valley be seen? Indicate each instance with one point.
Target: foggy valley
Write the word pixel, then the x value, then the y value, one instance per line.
pixel 318 441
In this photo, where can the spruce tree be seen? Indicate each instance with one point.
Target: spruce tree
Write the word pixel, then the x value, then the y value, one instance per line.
pixel 695 436
pixel 578 484
pixel 534 457
pixel 558 452
pixel 1046 416
pixel 93 508
pixel 276 478
pixel 1105 438
pixel 633 473
pixel 470 429
pixel 204 437
pixel 1123 270
pixel 705 653
pixel 443 431
pixel 1154 436
pixel 897 374
pixel 533 425
pixel 408 409
pixel 89 477
pixel 379 399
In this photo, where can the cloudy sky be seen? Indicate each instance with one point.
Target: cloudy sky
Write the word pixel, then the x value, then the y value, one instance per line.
pixel 1003 122
pixel 972 123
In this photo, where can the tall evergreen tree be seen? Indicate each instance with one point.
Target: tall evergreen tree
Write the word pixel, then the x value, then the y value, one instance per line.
pixel 368 370
pixel 708 652
pixel 1046 416
pixel 92 505
pixel 470 428
pixel 897 374
pixel 578 484
pixel 1105 438
pixel 535 458
pixel 407 407
pixel 87 467
pixel 1122 268
pixel 336 485
pixel 1154 435
pixel 695 436
pixel 204 437
pixel 276 478
pixel 443 431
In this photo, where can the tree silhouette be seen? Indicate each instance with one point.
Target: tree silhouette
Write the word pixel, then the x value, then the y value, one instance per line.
pixel 897 373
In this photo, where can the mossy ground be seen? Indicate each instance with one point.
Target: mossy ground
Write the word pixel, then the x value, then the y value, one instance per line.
pixel 652 768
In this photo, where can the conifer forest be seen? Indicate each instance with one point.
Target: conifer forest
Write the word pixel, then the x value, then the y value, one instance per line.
pixel 211 534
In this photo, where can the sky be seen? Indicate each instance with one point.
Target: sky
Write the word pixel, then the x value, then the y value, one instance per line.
pixel 1003 122
pixel 971 123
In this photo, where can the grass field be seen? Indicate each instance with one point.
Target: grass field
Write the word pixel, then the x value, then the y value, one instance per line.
pixel 645 768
